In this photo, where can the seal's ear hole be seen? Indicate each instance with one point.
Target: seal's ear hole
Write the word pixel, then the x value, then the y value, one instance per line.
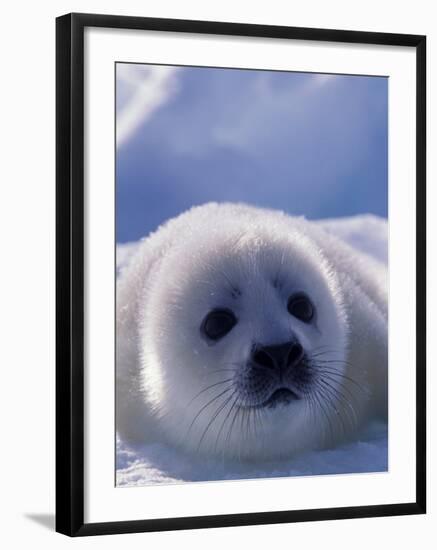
pixel 218 323
pixel 300 306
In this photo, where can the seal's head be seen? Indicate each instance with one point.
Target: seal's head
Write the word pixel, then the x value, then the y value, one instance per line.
pixel 243 341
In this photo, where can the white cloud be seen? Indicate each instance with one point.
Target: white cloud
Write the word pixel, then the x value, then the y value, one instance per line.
pixel 146 88
pixel 270 113
pixel 248 114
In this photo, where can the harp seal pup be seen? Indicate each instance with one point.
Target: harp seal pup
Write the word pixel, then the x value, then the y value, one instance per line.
pixel 247 333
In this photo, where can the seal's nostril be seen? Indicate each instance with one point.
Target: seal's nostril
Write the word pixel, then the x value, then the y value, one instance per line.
pixel 295 355
pixel 262 358
pixel 279 357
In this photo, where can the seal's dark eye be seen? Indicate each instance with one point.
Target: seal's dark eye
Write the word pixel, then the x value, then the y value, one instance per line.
pixel 300 306
pixel 218 323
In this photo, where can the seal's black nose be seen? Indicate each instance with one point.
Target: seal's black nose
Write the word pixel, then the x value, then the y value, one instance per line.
pixel 278 357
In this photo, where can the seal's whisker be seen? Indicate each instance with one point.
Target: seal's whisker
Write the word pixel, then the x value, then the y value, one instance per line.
pixel 217 412
pixel 323 350
pixel 252 417
pixel 325 370
pixel 324 380
pixel 324 353
pixel 222 427
pixel 333 362
pixel 342 399
pixel 249 413
pixel 237 413
pixel 327 376
pixel 252 423
pixel 225 420
pixel 260 423
pixel 222 370
pixel 320 367
pixel 348 409
pixel 229 433
pixel 313 411
pixel 328 397
pixel 207 405
pixel 320 400
pixel 208 388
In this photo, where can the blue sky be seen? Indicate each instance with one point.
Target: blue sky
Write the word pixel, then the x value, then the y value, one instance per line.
pixel 309 144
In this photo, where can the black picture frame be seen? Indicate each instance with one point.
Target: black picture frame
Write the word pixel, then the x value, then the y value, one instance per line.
pixel 70 273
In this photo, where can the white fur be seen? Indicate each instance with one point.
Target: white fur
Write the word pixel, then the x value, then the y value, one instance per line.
pixel 188 267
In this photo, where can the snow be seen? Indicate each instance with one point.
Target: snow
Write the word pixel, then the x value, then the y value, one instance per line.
pixel 366 233
pixel 157 463
pixel 124 253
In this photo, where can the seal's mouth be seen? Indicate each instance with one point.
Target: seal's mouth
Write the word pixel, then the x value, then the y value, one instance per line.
pixel 281 396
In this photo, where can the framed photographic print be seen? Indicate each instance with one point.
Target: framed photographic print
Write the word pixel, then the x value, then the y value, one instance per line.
pixel 240 274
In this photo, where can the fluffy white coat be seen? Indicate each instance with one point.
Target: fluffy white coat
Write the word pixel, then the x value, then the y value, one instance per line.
pixel 168 377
